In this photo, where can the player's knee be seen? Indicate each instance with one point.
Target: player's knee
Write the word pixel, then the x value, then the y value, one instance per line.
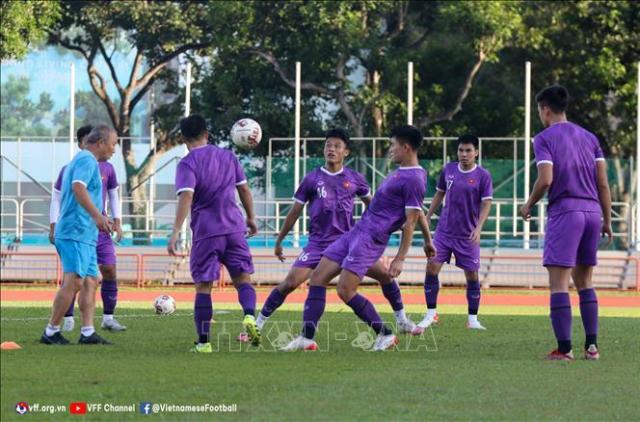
pixel 289 285
pixel 203 288
pixel 108 272
pixel 345 293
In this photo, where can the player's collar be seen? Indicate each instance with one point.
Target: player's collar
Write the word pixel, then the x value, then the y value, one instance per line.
pixel 324 170
pixel 409 168
pixel 201 146
pixel 475 166
pixel 557 123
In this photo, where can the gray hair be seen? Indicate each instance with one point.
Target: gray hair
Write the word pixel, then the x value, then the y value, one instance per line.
pixel 99 132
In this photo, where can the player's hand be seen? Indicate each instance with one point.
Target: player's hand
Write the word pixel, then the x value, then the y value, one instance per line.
pixel 103 224
pixel 396 267
pixel 172 246
pixel 475 236
pixel 429 250
pixel 252 228
pixel 525 212
pixel 277 251
pixel 117 227
pixel 607 231
pixel 52 230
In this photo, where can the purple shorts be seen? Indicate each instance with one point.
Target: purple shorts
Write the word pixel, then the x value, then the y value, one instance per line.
pixel 355 251
pixel 572 238
pixel 466 252
pixel 232 250
pixel 310 256
pixel 105 250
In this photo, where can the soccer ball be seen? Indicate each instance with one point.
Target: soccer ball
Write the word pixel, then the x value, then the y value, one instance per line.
pixel 246 133
pixel 164 305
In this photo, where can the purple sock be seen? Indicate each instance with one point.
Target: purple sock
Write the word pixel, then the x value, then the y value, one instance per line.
pixel 313 310
pixel 431 289
pixel 473 296
pixel 202 313
pixel 392 292
pixel 70 310
pixel 109 294
pixel 367 312
pixel 247 298
pixel 273 302
pixel 561 320
pixel 589 313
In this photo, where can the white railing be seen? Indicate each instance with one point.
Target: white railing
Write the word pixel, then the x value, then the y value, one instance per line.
pixel 31 216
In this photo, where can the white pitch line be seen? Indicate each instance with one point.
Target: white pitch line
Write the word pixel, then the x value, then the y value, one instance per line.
pixel 117 315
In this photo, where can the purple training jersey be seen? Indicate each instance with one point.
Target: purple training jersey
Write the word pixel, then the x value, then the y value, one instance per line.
pixel 330 197
pixel 573 151
pixel 212 174
pixel 402 188
pixel 465 191
pixel 109 181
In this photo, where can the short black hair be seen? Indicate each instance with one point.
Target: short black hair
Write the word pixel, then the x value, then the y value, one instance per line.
pixel 193 127
pixel 82 132
pixel 338 133
pixel 469 139
pixel 408 134
pixel 556 97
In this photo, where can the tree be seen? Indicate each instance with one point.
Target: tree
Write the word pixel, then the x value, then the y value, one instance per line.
pixel 23 24
pixel 20 115
pixel 159 33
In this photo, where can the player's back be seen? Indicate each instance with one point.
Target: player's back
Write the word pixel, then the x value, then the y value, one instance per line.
pixel 573 151
pixel 212 174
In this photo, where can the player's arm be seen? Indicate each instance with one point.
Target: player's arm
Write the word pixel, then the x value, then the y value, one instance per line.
pixel 413 215
pixel 540 187
pixel 366 200
pixel 485 209
pixel 435 204
pixel 604 195
pixel 116 212
pixel 289 222
pixel 82 196
pixel 185 198
pixel 429 249
pixel 54 213
pixel 247 203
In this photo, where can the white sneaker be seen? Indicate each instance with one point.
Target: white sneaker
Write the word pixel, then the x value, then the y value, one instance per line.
pixel 69 324
pixel 113 325
pixel 428 321
pixel 407 326
pixel 300 343
pixel 385 342
pixel 475 325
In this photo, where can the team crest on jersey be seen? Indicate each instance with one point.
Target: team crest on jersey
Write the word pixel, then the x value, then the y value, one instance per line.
pixel 346 185
pixel 471 181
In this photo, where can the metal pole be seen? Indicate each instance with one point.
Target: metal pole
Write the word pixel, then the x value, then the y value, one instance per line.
pixel 373 163
pixel 410 93
pixel 72 111
pixel 296 165
pixel 152 146
pixel 187 111
pixel 637 239
pixel 514 223
pixel 527 145
pixel 18 177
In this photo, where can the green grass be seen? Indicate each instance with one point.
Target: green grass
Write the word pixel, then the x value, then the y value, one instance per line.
pixel 497 374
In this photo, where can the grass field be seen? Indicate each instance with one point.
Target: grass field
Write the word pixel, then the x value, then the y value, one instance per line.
pixel 450 373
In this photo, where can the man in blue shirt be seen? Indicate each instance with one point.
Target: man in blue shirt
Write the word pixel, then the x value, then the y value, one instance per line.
pixel 76 236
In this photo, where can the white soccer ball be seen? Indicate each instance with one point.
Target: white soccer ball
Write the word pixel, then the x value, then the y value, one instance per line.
pixel 164 305
pixel 246 133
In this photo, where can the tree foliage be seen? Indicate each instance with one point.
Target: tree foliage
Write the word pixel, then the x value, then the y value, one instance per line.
pixel 20 115
pixel 23 24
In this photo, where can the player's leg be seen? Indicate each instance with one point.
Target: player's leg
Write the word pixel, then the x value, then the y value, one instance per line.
pixel 202 315
pixel 562 239
pixel 109 287
pixel 315 303
pixel 467 255
pixel 295 277
pixel 71 284
pixel 348 291
pixel 87 299
pixel 204 263
pixel 432 281
pixel 69 323
pixel 473 300
pixel 391 292
pixel 236 256
pixel 582 278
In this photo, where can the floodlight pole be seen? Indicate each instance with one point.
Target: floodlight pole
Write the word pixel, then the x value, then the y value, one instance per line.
pixel 187 111
pixel 527 147
pixel 637 239
pixel 296 165
pixel 409 93
pixel 72 110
